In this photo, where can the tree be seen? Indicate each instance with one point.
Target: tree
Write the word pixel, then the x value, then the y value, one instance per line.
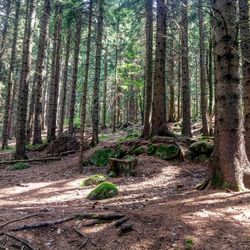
pixel 203 81
pixel 95 108
pixel 39 72
pixel 8 101
pixel 245 46
pixel 148 68
pixel 186 111
pixel 24 81
pixel 55 75
pixel 74 76
pixel 230 162
pixel 159 119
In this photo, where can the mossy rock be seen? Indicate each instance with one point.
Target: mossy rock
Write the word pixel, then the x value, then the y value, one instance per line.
pixel 138 150
pixel 168 151
pixel 94 180
pixel 19 166
pixel 151 149
pixel 203 157
pixel 104 190
pixel 120 151
pixel 101 157
pixel 202 147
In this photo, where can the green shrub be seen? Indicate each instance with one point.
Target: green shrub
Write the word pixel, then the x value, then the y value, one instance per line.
pixel 104 190
pixel 19 166
pixel 94 180
pixel 151 149
pixel 101 157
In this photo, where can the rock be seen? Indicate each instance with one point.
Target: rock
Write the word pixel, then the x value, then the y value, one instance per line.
pixel 202 157
pixel 94 180
pixel 168 151
pixel 62 144
pixel 122 167
pixel 101 157
pixel 104 190
pixel 202 147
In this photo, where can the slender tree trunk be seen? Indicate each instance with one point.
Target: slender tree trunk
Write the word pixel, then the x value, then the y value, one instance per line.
pixel 148 68
pixel 159 119
pixel 179 88
pixel 230 155
pixel 203 80
pixel 95 108
pixel 245 51
pixel 74 76
pixel 5 134
pixel 55 76
pixel 24 82
pixel 64 83
pixel 210 83
pixel 85 87
pixel 38 77
pixel 186 106
pixel 104 106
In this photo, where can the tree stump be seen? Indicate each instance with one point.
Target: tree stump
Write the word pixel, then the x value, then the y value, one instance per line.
pixel 122 167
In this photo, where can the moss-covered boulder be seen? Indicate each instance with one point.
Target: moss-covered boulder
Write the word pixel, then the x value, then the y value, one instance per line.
pixel 202 147
pixel 122 167
pixel 104 190
pixel 94 180
pixel 138 150
pixel 19 166
pixel 101 157
pixel 168 151
pixel 151 149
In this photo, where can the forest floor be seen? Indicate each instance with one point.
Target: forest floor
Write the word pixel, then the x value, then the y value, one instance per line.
pixel 160 201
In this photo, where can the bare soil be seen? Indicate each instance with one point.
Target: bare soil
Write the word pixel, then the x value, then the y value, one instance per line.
pixel 161 203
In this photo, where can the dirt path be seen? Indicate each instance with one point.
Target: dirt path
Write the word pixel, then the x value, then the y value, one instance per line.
pixel 165 210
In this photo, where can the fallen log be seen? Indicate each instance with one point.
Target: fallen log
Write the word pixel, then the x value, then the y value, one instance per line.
pixel 54 158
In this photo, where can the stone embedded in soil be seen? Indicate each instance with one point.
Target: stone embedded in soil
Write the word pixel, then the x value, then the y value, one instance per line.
pixel 104 190
pixel 200 151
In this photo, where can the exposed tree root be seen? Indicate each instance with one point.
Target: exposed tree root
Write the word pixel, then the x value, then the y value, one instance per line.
pixel 205 185
pixel 23 241
pixel 31 160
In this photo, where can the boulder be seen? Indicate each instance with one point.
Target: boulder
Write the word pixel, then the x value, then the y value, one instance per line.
pixel 104 190
pixel 168 151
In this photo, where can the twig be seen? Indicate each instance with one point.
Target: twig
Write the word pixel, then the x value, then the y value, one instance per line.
pixel 80 233
pixel 19 219
pixel 23 241
pixel 84 243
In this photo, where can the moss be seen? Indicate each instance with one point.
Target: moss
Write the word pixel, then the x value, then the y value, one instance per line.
pixel 35 147
pixel 120 151
pixel 112 174
pixel 202 157
pixel 189 244
pixel 137 150
pixel 101 157
pixel 130 136
pixel 104 190
pixel 94 180
pixel 8 149
pixel 19 166
pixel 167 152
pixel 202 147
pixel 151 149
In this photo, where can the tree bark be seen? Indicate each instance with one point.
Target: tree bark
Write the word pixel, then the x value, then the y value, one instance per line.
pixel 95 108
pixel 230 160
pixel 104 105
pixel 148 68
pixel 39 72
pixel 245 51
pixel 159 119
pixel 74 76
pixel 24 82
pixel 85 87
pixel 203 80
pixel 186 107
pixel 55 76
pixel 5 134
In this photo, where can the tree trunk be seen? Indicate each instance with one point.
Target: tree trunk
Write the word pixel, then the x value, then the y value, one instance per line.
pixel 5 134
pixel 186 111
pixel 24 82
pixel 159 119
pixel 95 108
pixel 230 155
pixel 39 72
pixel 74 76
pixel 203 80
pixel 104 105
pixel 55 76
pixel 63 91
pixel 245 51
pixel 85 87
pixel 148 68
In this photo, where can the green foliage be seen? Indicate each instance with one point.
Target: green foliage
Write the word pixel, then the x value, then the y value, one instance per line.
pixel 167 152
pixel 151 149
pixel 101 157
pixel 94 180
pixel 19 166
pixel 137 150
pixel 130 136
pixel 34 147
pixel 189 244
pixel 104 190
pixel 202 147
pixel 8 149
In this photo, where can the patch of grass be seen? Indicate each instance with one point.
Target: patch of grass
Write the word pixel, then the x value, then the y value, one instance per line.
pixel 93 180
pixel 34 147
pixel 151 149
pixel 104 190
pixel 19 166
pixel 189 244
pixel 101 157
pixel 8 149
pixel 103 137
pixel 130 136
